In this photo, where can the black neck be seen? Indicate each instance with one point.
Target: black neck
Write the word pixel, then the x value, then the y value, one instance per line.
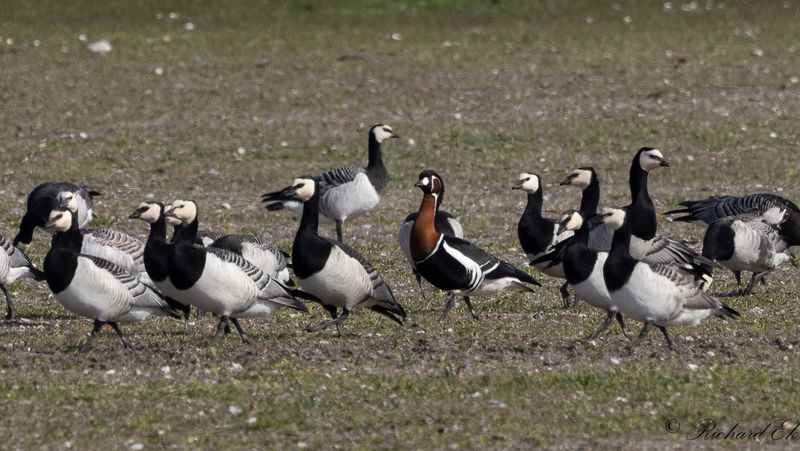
pixel 186 232
pixel 534 205
pixel 375 154
pixel 590 199
pixel 309 222
pixel 638 182
pixel 158 229
pixel 70 240
pixel 621 244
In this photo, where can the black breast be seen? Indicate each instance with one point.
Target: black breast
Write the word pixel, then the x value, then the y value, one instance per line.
pixel 59 269
pixel 617 270
pixel 310 253
pixel 185 265
pixel 444 272
pixel 156 253
pixel 578 262
pixel 718 243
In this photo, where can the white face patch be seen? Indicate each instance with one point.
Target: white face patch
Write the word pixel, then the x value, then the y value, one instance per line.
pixel 426 181
pixel 382 132
pixel 575 221
pixel 59 221
pixel 528 182
pixel 67 199
pixel 582 178
pixel 183 210
pixel 306 191
pixel 615 217
pixel 151 214
pixel 650 159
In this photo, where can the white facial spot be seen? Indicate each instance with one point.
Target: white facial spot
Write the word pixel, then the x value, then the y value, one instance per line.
pixel 59 221
pixel 382 132
pixel 581 178
pixel 183 210
pixel 650 159
pixel 67 199
pixel 528 182
pixel 305 190
pixel 426 181
pixel 615 217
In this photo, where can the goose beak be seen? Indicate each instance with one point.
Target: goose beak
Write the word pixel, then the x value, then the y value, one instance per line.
pixel 566 181
pixel 598 218
pixel 169 213
pixel 662 162
pixel 137 213
pixel 419 184
pixel 394 136
pixel 516 185
pixel 560 227
pixel 51 222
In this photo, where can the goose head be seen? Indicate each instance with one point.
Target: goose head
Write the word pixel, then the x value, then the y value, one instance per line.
pixel 148 212
pixel 569 220
pixel 304 188
pixel 527 182
pixel 610 217
pixel 430 183
pixel 67 200
pixel 59 220
pixel 380 132
pixel 183 211
pixel 580 177
pixel 650 159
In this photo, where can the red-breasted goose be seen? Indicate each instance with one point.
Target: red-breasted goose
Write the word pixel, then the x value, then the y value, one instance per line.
pixel 453 264
pixel 446 223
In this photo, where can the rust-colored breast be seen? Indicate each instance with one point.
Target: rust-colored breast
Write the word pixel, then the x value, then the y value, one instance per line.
pixel 423 234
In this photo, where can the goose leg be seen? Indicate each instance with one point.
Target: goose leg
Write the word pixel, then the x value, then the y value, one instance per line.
pixel 88 345
pixel 332 311
pixel 221 326
pixel 334 322
pixel 749 289
pixel 603 326
pixel 738 276
pixel 339 224
pixel 564 295
pixel 471 310
pixel 666 337
pixel 186 321
pixel 451 301
pixel 245 338
pixel 12 312
pixel 419 282
pixel 116 328
pixel 645 330
pixel 621 322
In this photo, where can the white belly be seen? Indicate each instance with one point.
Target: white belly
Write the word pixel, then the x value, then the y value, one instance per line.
pixel 593 290
pixel 647 296
pixel 223 289
pixel 350 199
pixel 96 294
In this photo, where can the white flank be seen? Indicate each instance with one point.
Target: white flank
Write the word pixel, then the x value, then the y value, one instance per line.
pixel 342 282
pixel 349 199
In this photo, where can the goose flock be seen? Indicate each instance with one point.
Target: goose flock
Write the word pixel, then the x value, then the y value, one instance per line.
pixel 613 259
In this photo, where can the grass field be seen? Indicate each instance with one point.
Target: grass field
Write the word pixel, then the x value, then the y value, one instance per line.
pixel 258 92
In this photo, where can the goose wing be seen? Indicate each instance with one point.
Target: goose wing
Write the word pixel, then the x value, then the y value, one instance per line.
pixel 667 250
pixel 716 207
pixel 491 266
pixel 118 240
pixel 337 177
pixel 380 290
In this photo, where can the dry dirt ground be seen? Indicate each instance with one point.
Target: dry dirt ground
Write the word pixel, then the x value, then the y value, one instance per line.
pixel 252 94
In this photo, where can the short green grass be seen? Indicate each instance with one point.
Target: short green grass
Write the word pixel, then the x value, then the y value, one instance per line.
pixel 480 91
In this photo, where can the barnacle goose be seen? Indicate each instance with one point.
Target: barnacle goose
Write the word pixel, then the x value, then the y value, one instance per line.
pixel 583 269
pixel 453 264
pixel 654 293
pixel 14 265
pixel 748 242
pixel 156 252
pixel 709 210
pixel 93 287
pixel 219 281
pixel 117 247
pixel 345 191
pixel 43 199
pixel 646 244
pixel 335 273
pixel 446 224
pixel 537 234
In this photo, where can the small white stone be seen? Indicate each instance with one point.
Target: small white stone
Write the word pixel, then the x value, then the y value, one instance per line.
pixel 691 366
pixel 397 37
pixel 773 135
pixel 165 370
pixel 83 135
pixel 99 47
pixel 82 37
pixel 251 420
pixel 627 19
pixel 111 372
pixel 173 15
pixel 284 144
pixel 234 410
pixel 137 446
pixel 241 151
pixel 159 70
pixel 226 205
pixel 188 26
pixel 37 43
pixel 794 79
pixel 411 142
pixel 758 52
pixel 302 445
pixel 615 361
pixel 457 115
